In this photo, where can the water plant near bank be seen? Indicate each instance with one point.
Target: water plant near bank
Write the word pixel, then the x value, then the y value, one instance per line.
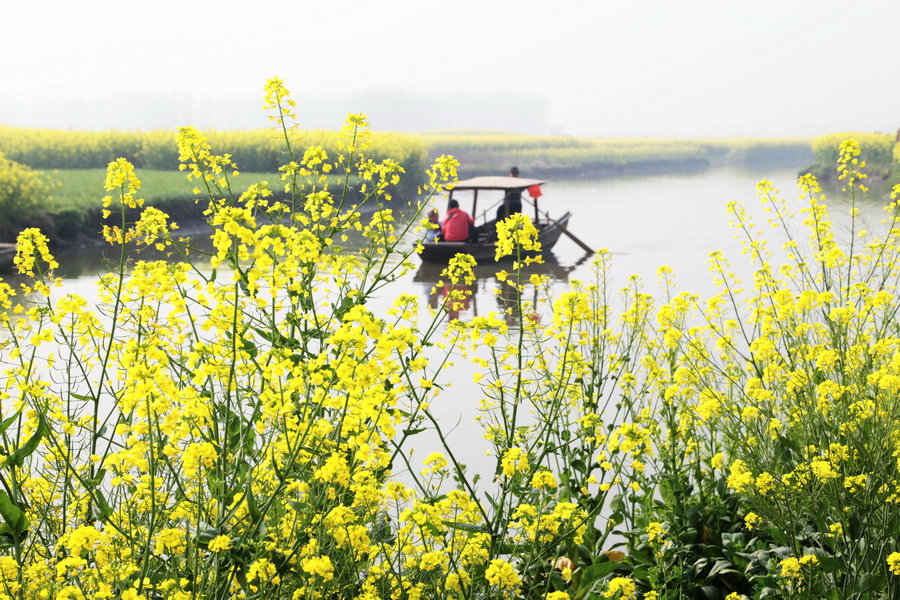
pixel 246 431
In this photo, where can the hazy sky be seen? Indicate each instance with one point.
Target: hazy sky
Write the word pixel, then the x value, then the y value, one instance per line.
pixel 623 68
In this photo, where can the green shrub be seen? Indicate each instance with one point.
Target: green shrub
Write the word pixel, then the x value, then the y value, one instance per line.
pixel 877 148
pixel 21 193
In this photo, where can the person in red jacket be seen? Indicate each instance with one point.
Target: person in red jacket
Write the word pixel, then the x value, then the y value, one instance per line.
pixel 457 224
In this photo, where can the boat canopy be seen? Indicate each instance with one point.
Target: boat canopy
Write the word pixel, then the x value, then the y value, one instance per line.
pixel 495 183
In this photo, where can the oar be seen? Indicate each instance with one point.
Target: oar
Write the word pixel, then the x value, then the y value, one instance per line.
pixel 571 235
pixel 562 228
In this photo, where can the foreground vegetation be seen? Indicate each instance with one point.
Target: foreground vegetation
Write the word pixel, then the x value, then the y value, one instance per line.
pixel 245 432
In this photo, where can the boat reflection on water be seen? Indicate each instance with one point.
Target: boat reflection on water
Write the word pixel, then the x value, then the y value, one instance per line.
pixel 461 301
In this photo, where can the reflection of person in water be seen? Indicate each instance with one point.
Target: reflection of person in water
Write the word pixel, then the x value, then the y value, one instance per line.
pixel 452 298
pixel 434 295
pixel 457 297
pixel 488 281
pixel 510 301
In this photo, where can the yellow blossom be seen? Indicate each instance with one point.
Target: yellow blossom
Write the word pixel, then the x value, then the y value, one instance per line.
pixel 502 574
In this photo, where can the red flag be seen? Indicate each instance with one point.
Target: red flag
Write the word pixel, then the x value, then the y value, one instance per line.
pixel 535 191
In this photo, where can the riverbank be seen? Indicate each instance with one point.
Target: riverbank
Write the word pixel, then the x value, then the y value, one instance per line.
pixel 71 213
pixel 72 216
pixel 880 152
pixel 563 156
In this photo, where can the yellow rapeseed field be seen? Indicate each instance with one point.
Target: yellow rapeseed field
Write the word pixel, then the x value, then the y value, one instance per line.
pixel 246 431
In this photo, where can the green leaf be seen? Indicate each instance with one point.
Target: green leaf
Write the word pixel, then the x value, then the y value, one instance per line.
pixel 18 456
pixel 16 521
pixel 249 347
pixel 733 541
pixel 6 423
pixel 508 548
pixel 617 505
pixel 597 571
pixel 721 566
pixel 432 528
pixel 688 536
pixel 466 527
pixel 831 564
pixel 315 333
pixel 872 582
pixel 252 507
pixel 276 339
pixel 206 536
pixel 104 509
pixel 96 480
pixel 640 555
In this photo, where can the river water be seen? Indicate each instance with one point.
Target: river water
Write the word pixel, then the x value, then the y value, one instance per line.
pixel 644 222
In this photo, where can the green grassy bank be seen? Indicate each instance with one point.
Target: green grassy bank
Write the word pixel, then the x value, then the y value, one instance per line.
pixel 69 211
pixel 82 189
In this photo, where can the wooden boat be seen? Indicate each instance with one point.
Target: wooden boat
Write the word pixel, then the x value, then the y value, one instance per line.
pixel 429 273
pixel 482 245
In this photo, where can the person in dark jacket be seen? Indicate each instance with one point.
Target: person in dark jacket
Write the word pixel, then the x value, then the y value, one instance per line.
pixel 512 202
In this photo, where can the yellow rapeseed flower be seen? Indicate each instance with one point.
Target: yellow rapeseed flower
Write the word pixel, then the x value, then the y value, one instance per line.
pixel 502 574
pixel 514 234
pixel 620 588
pixel 31 244
pixel 893 561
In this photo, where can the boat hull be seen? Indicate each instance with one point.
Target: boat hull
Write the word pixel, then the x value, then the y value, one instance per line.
pixel 484 251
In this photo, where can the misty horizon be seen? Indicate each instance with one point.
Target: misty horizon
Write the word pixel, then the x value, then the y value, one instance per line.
pixel 698 68
pixel 388 110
